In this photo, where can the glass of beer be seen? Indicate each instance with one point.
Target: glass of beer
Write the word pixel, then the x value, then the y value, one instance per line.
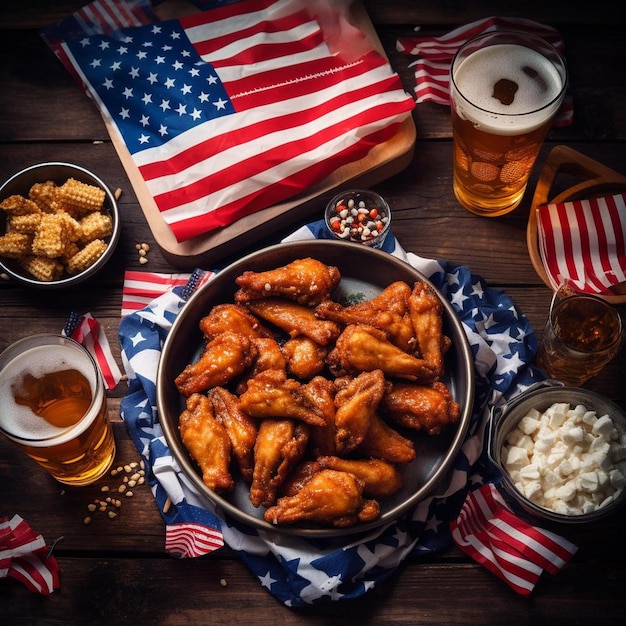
pixel 54 407
pixel 582 334
pixel 505 89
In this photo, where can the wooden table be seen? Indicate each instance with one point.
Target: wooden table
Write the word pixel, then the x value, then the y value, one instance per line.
pixel 117 571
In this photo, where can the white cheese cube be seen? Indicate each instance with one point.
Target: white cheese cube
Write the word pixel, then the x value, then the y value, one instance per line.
pixel 573 435
pixel 530 472
pixel 516 457
pixel 567 491
pixel 533 490
pixel 587 481
pixel 528 425
pixel 604 428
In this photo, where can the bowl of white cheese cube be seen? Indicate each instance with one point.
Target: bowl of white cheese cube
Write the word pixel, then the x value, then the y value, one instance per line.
pixel 561 452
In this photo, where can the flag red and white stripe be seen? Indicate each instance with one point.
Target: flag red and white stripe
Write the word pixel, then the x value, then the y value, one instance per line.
pixel 584 242
pixel 186 540
pixel 141 288
pixel 507 546
pixel 25 557
pixel 91 335
pixel 436 53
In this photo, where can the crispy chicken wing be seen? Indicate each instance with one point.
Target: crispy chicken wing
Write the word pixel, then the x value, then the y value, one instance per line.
pixel 298 478
pixel 241 429
pixel 233 317
pixel 279 447
pixel 322 392
pixel 272 394
pixel 384 442
pixel 207 442
pixel 430 408
pixel 295 319
pixel 426 316
pixel 329 497
pixel 389 312
pixel 306 281
pixel 364 348
pixel 224 358
pixel 356 405
pixel 380 479
pixel 305 358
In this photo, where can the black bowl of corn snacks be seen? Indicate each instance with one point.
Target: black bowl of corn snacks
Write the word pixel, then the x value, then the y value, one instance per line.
pixel 59 225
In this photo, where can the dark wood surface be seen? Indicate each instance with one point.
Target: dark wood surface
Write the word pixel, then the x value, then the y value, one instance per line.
pixel 117 571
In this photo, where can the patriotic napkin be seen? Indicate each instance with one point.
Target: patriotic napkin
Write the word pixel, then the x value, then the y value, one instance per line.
pixel 583 243
pixel 25 557
pixel 435 54
pixel 234 108
pixel 299 571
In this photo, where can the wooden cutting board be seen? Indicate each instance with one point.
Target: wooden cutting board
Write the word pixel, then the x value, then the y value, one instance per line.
pixel 383 161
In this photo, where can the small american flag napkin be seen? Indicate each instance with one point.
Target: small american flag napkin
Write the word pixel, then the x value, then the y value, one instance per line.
pixel 436 53
pixel 25 557
pixel 507 546
pixel 583 243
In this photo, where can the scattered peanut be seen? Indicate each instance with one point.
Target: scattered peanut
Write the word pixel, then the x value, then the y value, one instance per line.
pixel 142 249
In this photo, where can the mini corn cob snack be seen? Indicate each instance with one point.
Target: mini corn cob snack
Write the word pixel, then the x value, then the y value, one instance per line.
pixel 81 196
pixel 57 229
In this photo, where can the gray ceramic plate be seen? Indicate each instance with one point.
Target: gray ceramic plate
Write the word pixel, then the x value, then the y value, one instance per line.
pixel 364 272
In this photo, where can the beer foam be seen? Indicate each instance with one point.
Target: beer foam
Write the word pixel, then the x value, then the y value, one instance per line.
pixel 476 76
pixel 18 420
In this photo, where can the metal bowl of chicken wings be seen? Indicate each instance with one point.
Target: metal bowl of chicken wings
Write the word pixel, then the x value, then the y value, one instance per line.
pixel 316 389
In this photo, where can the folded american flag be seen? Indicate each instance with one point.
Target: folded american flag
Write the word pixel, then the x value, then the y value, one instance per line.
pixel 25 557
pixel 436 53
pixel 583 242
pixel 232 109
pixel 507 546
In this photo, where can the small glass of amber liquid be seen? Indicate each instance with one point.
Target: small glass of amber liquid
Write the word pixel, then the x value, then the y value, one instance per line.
pixel 54 407
pixel 582 334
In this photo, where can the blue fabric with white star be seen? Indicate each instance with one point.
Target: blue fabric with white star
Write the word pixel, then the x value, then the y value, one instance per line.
pixel 298 571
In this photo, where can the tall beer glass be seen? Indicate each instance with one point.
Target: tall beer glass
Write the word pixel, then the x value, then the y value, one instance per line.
pixel 505 89
pixel 53 407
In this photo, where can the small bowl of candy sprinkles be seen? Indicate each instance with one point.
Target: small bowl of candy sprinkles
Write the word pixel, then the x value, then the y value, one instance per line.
pixel 359 216
pixel 59 225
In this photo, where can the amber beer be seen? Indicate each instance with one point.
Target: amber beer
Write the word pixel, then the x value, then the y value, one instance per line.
pixel 53 406
pixel 505 89
pixel 582 334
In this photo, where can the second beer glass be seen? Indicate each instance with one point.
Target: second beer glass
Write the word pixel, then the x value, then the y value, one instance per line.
pixel 505 90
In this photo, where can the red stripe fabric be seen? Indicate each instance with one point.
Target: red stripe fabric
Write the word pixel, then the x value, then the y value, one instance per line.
pixel 25 556
pixel 583 242
pixel 513 550
pixel 188 540
pixel 90 334
pixel 436 53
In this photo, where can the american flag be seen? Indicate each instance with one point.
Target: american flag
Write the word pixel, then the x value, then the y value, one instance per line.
pixel 583 242
pixel 432 69
pixel 233 109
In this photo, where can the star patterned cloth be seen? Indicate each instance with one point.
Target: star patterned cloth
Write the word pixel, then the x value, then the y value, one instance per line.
pixel 299 571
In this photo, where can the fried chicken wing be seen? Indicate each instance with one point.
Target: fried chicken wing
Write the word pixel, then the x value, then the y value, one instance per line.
pixel 384 442
pixel 241 429
pixel 389 312
pixel 322 392
pixel 224 358
pixel 305 358
pixel 426 313
pixel 380 479
pixel 329 497
pixel 364 348
pixel 356 405
pixel 295 319
pixel 279 447
pixel 233 317
pixel 430 408
pixel 272 394
pixel 298 478
pixel 207 442
pixel 306 281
